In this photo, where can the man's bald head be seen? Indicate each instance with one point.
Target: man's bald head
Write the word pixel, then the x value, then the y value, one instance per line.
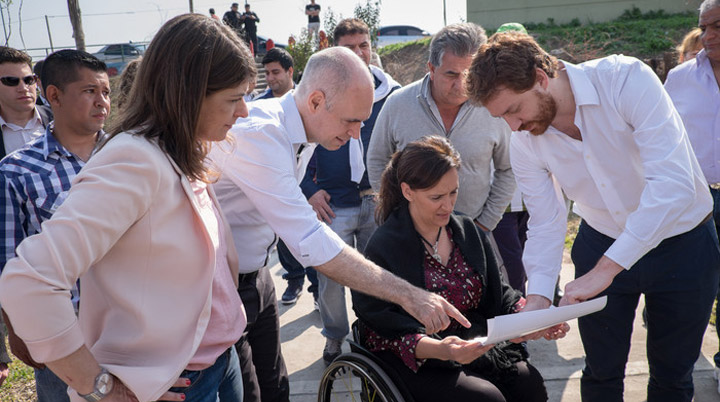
pixel 334 97
pixel 333 71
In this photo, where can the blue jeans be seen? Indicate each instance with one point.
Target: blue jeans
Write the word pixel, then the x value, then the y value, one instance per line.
pixel 220 382
pixel 354 225
pixel 49 387
pixel 294 269
pixel 679 279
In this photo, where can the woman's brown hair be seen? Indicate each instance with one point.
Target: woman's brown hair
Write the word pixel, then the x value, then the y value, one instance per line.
pixel 191 57
pixel 420 165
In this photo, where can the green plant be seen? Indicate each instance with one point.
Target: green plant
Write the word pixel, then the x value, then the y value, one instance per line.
pixel 301 51
pixel 369 13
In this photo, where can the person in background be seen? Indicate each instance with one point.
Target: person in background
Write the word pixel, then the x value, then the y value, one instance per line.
pixel 438 104
pixel 421 240
pixel 278 65
pixel 213 15
pixel 250 20
pixel 36 178
pixel 337 187
pixel 37 70
pixel 21 120
pixel 607 132
pixel 262 164
pixel 690 46
pixel 312 10
pixel 232 19
pixel 694 87
pixel 142 228
pixel 127 78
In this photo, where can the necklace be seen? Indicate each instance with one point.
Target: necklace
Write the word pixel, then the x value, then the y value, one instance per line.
pixel 436 254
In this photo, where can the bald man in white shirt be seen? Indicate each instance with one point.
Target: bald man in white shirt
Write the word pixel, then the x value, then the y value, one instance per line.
pixel 259 192
pixel 608 133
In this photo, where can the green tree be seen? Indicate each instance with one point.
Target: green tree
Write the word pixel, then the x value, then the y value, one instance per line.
pixel 369 13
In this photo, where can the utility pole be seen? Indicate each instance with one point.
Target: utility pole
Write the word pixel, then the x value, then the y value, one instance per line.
pixel 76 21
pixel 47 24
pixel 4 29
pixel 444 14
pixel 191 6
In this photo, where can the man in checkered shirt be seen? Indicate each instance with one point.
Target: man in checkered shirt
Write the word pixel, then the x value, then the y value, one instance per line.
pixel 35 179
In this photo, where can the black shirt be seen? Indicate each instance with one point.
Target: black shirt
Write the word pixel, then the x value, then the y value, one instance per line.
pixel 313 7
pixel 232 19
pixel 249 22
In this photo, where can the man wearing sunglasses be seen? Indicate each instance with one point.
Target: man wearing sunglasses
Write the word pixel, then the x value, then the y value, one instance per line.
pixel 20 120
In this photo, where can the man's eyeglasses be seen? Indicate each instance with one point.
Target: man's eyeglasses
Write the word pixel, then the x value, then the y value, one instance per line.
pixel 10 81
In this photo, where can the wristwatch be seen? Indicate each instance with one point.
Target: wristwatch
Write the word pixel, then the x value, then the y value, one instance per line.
pixel 103 386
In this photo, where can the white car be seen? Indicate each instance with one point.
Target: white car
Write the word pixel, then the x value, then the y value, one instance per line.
pixel 399 33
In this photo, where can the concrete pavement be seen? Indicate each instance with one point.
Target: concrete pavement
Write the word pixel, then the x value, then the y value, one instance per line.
pixel 560 361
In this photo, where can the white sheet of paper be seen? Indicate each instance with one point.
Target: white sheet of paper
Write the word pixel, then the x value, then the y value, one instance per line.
pixel 511 326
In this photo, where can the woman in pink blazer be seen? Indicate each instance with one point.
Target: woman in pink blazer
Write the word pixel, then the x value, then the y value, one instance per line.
pixel 142 230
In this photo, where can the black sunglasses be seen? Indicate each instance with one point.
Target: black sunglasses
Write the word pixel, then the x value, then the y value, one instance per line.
pixel 11 81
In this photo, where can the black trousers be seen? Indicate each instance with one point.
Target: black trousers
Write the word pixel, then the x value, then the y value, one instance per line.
pixel 263 369
pixel 433 384
pixel 679 279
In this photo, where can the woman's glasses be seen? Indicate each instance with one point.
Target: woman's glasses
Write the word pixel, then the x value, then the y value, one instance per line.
pixel 10 81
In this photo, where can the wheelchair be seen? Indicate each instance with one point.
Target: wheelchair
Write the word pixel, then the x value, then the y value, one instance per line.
pixel 360 376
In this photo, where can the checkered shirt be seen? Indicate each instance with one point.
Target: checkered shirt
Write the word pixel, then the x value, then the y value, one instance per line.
pixel 35 180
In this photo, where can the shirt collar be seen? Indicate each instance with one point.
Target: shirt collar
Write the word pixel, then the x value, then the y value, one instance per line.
pixel 293 121
pixel 34 121
pixel 52 145
pixel 703 64
pixel 583 89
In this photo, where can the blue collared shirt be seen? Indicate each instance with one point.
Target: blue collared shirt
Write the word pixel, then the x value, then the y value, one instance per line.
pixel 35 181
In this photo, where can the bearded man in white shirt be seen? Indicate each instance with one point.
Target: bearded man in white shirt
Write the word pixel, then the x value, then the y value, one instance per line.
pixel 694 88
pixel 608 133
pixel 259 192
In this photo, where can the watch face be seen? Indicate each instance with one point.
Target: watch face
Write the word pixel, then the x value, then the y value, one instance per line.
pixel 103 383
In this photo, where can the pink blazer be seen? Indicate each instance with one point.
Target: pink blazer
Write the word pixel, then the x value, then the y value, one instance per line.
pixel 131 231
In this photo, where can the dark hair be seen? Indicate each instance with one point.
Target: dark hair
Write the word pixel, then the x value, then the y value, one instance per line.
pixel 190 57
pixel 508 60
pixel 126 81
pixel 212 11
pixel 62 67
pixel 279 55
pixel 12 55
pixel 37 68
pixel 350 26
pixel 420 165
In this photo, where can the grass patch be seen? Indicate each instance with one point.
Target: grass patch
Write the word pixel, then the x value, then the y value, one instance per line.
pixel 397 46
pixel 20 385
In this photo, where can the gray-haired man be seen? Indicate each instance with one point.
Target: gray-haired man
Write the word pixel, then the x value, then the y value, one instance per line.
pixel 437 104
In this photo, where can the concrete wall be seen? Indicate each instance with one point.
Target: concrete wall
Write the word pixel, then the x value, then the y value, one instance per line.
pixel 493 13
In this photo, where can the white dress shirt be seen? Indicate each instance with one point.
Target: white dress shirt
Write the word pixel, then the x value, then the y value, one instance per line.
pixel 696 95
pixel 633 176
pixel 15 137
pixel 259 189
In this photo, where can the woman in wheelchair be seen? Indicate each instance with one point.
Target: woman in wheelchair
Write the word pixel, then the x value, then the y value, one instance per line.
pixel 421 240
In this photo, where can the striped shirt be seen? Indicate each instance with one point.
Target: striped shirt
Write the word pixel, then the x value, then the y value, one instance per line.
pixel 35 180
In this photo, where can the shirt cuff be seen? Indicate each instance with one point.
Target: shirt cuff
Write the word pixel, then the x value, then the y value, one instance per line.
pixel 626 250
pixel 543 285
pixel 320 246
pixel 58 346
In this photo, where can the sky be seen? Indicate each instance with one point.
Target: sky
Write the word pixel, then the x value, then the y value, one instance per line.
pixel 113 21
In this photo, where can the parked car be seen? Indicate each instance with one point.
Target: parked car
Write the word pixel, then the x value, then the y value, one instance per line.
pixel 118 55
pixel 390 34
pixel 120 52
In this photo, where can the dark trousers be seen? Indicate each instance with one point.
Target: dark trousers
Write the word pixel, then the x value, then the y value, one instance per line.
pixel 294 269
pixel 252 38
pixel 716 215
pixel 680 281
pixel 263 369
pixel 510 237
pixel 432 383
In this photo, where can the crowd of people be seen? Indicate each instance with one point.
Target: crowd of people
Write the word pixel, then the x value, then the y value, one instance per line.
pixel 135 264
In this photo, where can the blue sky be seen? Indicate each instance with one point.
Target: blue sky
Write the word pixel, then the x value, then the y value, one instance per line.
pixel 113 21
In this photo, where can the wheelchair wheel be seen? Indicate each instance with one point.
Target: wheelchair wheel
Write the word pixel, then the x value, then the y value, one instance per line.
pixel 353 377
